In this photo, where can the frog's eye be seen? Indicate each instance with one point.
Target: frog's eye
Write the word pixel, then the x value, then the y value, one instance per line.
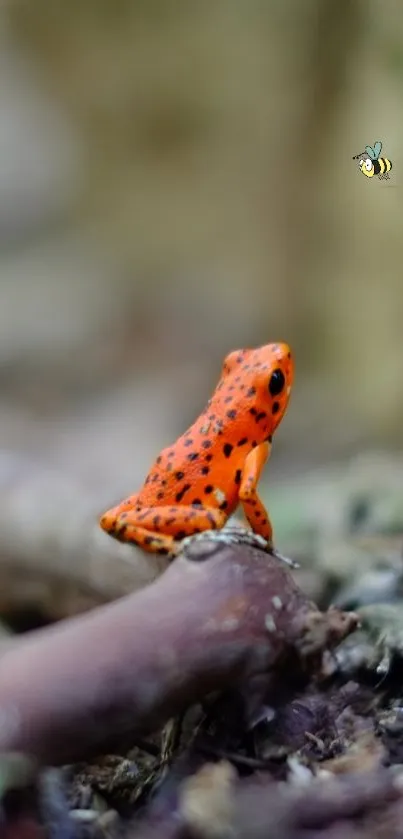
pixel 361 163
pixel 277 382
pixel 368 164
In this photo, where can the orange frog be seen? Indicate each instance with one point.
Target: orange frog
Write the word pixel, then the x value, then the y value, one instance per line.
pixel 196 484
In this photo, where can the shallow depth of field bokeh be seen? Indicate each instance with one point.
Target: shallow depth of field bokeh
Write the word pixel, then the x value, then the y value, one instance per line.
pixel 176 181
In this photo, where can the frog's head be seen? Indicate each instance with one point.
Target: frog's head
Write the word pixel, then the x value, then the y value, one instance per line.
pixel 257 385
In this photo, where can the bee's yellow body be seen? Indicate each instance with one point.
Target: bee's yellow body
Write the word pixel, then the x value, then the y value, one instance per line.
pixel 381 166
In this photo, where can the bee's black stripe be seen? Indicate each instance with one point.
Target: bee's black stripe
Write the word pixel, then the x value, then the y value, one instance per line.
pixel 382 165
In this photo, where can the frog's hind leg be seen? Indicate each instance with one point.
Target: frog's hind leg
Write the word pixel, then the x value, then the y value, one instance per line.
pixel 160 529
pixel 109 519
pixel 158 543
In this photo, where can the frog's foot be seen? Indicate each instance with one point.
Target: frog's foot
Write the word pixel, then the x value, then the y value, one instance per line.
pixel 237 535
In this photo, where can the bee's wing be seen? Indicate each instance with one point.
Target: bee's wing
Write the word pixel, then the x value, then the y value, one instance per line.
pixel 371 152
pixel 377 148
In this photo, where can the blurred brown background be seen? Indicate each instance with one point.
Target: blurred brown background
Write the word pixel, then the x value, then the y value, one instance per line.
pixel 176 180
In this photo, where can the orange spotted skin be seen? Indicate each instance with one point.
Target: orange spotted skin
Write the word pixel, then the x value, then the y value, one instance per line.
pixel 197 483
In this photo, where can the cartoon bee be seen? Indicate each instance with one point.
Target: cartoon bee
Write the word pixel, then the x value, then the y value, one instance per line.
pixel 371 164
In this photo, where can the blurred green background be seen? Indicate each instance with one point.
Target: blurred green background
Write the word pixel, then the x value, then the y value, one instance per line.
pixel 176 181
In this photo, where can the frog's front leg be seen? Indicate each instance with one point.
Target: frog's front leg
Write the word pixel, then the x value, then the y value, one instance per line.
pixel 159 529
pixel 253 507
